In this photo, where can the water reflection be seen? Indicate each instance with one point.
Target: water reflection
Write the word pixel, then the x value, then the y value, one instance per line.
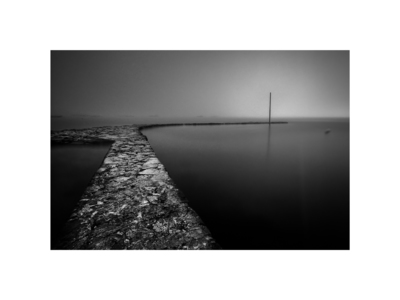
pixel 269 140
pixel 287 189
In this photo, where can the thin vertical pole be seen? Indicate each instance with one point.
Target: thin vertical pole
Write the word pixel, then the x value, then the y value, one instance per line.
pixel 270 108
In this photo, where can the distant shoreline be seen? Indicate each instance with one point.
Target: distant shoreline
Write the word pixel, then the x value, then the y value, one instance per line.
pixel 67 122
pixel 207 124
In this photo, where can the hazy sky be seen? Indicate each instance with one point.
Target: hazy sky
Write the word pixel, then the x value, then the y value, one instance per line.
pixel 200 83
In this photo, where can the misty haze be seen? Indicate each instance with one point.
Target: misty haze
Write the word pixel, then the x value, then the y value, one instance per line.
pixel 200 150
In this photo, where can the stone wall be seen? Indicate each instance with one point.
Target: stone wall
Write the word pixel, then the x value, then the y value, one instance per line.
pixel 131 202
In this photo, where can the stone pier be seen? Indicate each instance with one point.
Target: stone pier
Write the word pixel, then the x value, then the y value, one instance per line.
pixel 131 202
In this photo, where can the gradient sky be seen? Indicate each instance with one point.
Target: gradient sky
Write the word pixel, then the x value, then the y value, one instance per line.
pixel 200 83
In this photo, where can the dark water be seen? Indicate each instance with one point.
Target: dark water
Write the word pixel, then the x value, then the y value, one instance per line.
pixel 260 187
pixel 72 168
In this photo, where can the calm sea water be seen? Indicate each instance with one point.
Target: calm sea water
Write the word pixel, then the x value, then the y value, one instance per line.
pixel 79 122
pixel 284 186
pixel 72 168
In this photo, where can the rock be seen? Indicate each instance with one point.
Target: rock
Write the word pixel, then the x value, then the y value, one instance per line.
pixel 160 177
pixel 149 172
pixel 121 179
pixel 150 166
pixel 152 199
pixel 129 192
pixel 108 161
pixel 151 163
pixel 144 203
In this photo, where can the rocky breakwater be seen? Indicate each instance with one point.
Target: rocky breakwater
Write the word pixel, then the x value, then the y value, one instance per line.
pixel 131 202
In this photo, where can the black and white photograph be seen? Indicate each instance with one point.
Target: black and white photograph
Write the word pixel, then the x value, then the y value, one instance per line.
pixel 200 150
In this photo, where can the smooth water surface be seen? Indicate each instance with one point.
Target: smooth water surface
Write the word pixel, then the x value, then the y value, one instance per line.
pixel 72 168
pixel 284 186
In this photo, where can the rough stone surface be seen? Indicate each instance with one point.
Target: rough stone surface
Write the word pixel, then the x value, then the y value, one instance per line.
pixel 131 202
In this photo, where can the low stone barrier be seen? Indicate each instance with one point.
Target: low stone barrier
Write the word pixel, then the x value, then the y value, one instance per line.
pixel 131 202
